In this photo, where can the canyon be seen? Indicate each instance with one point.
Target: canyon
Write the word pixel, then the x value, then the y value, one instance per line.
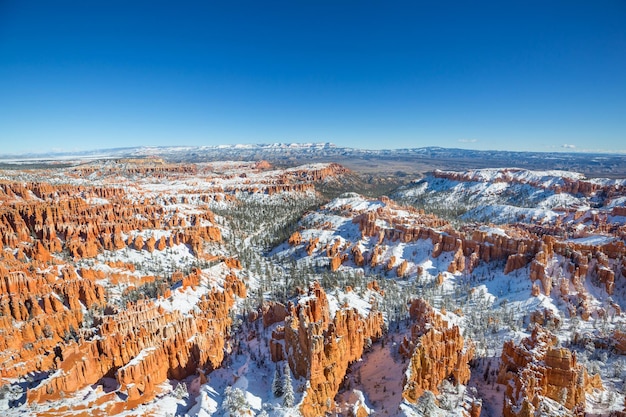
pixel 141 286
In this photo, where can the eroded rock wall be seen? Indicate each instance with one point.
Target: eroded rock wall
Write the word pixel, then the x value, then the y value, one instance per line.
pixel 436 352
pixel 537 368
pixel 320 347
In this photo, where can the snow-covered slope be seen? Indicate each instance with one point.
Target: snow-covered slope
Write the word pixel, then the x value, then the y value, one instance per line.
pixel 510 195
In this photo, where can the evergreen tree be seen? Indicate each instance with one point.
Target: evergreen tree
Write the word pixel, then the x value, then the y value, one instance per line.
pixel 427 404
pixel 235 403
pixel 181 391
pixel 277 386
pixel 289 398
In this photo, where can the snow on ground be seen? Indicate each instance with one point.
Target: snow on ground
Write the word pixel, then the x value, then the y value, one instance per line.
pixel 595 240
pixel 495 231
pixel 502 303
pixel 351 299
pixel 89 401
pixel 183 300
pixel 502 213
pixel 484 294
pixel 379 376
pixel 354 202
pixel 617 202
pixel 562 200
pixel 249 370
pixel 545 178
pixel 95 201
pixel 178 257
pixel 609 182
pixel 502 195
pixel 309 167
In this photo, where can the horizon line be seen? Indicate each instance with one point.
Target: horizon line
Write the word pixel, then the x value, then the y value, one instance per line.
pixel 60 152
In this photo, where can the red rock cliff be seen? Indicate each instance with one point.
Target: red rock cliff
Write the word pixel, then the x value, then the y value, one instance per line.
pixel 320 348
pixel 436 350
pixel 536 368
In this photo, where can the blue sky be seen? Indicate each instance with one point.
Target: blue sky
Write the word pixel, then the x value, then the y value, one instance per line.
pixel 515 75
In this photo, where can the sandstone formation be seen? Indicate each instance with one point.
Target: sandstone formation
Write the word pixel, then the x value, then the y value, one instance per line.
pixel 295 239
pixel 436 350
pixel 143 345
pixel 67 321
pixel 74 245
pixel 571 185
pixel 320 347
pixel 619 342
pixel 537 368
pixel 518 246
pixel 273 313
pixel 314 173
pixel 48 307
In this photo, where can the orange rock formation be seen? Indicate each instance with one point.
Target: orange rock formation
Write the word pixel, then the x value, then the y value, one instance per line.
pixel 320 348
pixel 144 345
pixel 536 368
pixel 436 350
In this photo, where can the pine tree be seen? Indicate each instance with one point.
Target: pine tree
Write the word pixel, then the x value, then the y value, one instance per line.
pixel 181 391
pixel 235 403
pixel 427 404
pixel 277 387
pixel 289 398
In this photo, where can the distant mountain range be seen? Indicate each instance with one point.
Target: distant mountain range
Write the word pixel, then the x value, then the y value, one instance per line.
pixel 392 161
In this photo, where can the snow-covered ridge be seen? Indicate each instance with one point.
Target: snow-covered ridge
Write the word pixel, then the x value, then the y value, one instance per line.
pixel 542 179
pixel 512 195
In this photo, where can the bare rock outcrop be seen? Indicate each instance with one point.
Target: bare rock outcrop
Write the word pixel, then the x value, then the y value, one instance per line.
pixel 143 345
pixel 320 347
pixel 437 351
pixel 537 369
pixel 273 312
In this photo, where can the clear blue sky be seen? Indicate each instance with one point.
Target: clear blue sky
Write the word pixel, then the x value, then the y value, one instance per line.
pixel 518 75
